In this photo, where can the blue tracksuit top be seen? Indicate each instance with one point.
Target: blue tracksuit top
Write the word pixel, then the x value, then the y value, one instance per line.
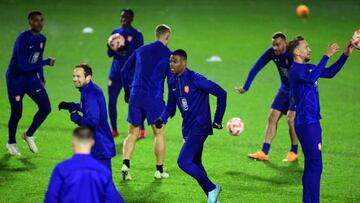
pixel 304 87
pixel 27 57
pixel 81 179
pixel 93 108
pixel 282 62
pixel 151 64
pixel 190 92
pixel 133 40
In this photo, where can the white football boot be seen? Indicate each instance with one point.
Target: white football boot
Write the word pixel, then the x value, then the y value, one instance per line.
pixel 13 149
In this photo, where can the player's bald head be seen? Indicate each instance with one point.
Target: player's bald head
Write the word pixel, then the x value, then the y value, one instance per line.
pixel 279 43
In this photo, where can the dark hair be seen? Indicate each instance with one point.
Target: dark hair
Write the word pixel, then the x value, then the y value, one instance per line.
pixel 279 34
pixel 87 69
pixel 128 10
pixel 294 43
pixel 83 133
pixel 33 14
pixel 161 30
pixel 180 52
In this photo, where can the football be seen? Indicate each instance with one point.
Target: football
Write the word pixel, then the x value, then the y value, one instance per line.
pixel 235 126
pixel 302 11
pixel 355 40
pixel 116 41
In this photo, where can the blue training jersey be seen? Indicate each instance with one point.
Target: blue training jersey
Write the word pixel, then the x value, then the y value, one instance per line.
pixel 133 40
pixel 151 65
pixel 93 108
pixel 81 179
pixel 27 57
pixel 282 62
pixel 190 92
pixel 304 87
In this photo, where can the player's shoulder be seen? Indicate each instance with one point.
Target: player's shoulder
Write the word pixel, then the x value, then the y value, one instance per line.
pixel 24 35
pixel 270 53
pixel 195 74
pixel 42 36
pixel 136 30
pixel 117 30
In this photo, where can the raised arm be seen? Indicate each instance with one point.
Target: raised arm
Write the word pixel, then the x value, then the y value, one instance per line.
pixel 336 67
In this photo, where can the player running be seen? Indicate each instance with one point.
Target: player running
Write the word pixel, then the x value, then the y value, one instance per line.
pixel 190 92
pixel 25 76
pixel 281 104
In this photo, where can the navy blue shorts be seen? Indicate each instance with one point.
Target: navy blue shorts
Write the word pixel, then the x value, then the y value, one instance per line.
pixel 151 110
pixel 282 102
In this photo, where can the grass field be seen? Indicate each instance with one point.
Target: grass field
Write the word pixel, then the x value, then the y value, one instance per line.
pixel 238 32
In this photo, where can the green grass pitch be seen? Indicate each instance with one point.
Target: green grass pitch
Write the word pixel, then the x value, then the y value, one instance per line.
pixel 238 32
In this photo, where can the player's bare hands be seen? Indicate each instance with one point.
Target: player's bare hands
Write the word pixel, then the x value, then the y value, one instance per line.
pixel 240 90
pixel 52 61
pixel 332 49
pixel 348 48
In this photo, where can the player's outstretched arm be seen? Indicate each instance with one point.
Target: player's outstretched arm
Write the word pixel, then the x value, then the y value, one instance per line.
pixel 331 71
pixel 260 64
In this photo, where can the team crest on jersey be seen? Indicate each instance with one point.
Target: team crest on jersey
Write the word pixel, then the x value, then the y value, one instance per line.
pixel 184 103
pixel 287 62
pixel 129 38
pixel 41 45
pixel 34 57
pixel 319 146
pixel 186 89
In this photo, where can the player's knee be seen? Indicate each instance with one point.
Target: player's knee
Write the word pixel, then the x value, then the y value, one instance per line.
pixel 273 118
pixel 291 120
pixel 46 109
pixel 15 114
pixel 182 163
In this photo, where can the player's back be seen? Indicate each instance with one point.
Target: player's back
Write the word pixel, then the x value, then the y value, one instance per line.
pixel 152 62
pixel 83 179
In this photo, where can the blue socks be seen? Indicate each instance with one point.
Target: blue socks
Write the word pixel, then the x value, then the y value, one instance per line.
pixel 266 148
pixel 294 148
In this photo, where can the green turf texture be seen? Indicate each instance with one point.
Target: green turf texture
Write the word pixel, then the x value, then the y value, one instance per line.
pixel 238 32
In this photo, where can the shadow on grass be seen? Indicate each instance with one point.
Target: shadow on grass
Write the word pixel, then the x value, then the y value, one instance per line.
pixel 7 172
pixel 146 195
pixel 288 174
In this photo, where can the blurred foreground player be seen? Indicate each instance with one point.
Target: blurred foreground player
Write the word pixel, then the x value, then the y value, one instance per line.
pixel 81 178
